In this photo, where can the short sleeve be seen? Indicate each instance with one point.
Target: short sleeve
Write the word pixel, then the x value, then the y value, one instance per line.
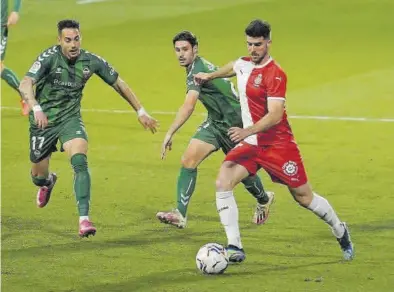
pixel 105 71
pixel 276 83
pixel 42 65
pixel 237 65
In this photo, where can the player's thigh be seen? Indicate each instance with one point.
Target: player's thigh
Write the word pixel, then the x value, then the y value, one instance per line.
pixel 202 144
pixel 246 155
pixel 73 137
pixel 230 175
pixel 284 164
pixel 196 152
pixel 3 43
pixel 42 142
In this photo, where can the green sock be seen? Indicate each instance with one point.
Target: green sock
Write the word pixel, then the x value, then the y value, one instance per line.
pixel 81 183
pixel 186 184
pixel 41 181
pixel 10 77
pixel 254 186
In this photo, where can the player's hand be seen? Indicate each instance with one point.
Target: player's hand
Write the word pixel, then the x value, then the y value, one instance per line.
pixel 201 77
pixel 148 123
pixel 238 134
pixel 167 144
pixel 40 119
pixel 13 18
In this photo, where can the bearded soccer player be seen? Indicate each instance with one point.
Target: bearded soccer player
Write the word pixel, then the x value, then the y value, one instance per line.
pixel 7 21
pixel 266 141
pixel 60 74
pixel 222 104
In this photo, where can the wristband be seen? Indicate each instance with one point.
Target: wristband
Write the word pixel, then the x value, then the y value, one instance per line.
pixel 142 112
pixel 37 108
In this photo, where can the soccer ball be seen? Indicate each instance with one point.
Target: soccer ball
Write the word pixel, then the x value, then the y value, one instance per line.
pixel 212 259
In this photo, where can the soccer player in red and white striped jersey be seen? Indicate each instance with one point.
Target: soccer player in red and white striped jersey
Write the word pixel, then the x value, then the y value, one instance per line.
pixel 265 141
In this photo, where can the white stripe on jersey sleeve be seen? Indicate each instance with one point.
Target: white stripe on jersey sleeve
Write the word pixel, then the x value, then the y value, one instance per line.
pixel 236 66
pixel 276 97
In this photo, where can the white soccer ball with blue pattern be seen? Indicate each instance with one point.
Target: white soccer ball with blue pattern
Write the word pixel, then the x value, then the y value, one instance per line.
pixel 212 259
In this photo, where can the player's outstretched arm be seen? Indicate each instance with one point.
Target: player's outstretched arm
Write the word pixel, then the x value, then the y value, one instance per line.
pixel 27 92
pixel 223 72
pixel 184 113
pixel 144 118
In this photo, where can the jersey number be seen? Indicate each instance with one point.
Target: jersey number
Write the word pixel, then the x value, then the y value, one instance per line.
pixel 37 142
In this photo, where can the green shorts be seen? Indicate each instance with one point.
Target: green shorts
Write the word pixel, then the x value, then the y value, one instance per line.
pixel 43 142
pixel 3 41
pixel 214 134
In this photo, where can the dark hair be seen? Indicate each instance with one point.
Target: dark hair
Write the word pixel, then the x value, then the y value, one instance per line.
pixel 258 28
pixel 186 36
pixel 67 23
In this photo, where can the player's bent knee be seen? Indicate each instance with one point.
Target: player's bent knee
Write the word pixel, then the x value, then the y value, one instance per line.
pixel 302 196
pixel 189 163
pixel 79 162
pixel 223 184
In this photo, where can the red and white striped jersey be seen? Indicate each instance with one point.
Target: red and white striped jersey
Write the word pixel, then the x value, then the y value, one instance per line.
pixel 256 85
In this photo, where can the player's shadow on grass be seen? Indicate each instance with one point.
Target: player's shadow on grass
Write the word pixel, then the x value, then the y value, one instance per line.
pixel 164 281
pixel 19 226
pixel 373 226
pixel 141 238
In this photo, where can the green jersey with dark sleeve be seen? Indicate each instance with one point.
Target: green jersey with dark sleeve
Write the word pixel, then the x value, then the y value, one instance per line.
pixel 218 96
pixel 60 82
pixel 4 10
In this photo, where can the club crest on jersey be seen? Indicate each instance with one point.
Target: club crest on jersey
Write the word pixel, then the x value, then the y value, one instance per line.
pixel 86 73
pixel 257 80
pixel 290 168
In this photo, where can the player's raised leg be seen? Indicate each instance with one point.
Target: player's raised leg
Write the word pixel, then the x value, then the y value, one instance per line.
pixel 322 208
pixel 195 153
pixel 76 150
pixel 230 175
pixel 254 186
pixel 44 180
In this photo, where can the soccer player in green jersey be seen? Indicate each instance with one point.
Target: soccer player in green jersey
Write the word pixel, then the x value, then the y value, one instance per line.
pixel 224 111
pixel 6 21
pixel 60 74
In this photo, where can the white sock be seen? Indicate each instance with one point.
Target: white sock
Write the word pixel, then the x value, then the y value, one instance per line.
pixel 81 218
pixel 322 208
pixel 228 212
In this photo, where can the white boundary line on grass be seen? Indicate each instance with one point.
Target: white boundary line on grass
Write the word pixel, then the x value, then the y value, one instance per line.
pixel 90 1
pixel 328 118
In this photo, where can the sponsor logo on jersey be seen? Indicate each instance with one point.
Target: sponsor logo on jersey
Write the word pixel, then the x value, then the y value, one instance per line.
pixel 66 83
pixel 290 168
pixel 58 70
pixel 37 153
pixel 257 80
pixel 35 67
